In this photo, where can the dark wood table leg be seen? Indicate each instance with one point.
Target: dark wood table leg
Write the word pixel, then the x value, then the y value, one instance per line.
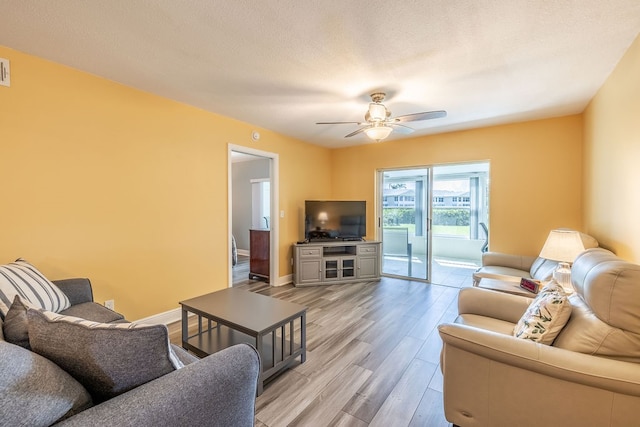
pixel 185 328
pixel 261 354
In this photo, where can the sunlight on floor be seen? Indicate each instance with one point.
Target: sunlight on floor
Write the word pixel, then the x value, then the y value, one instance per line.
pixel 457 263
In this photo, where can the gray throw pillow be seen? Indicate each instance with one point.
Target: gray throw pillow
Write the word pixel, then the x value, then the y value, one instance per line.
pixel 15 327
pixel 108 359
pixel 34 391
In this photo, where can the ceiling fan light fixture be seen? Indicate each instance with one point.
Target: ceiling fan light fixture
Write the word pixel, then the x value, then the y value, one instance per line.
pixel 378 133
pixel 377 112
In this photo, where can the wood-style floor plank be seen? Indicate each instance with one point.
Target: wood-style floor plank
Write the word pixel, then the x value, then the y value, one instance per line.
pixel 372 356
pixel 430 412
pixel 369 398
pixel 345 420
pixel 404 399
pixel 293 401
pixel 328 404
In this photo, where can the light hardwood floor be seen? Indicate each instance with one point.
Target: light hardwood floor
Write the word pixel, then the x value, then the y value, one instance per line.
pixel 241 270
pixel 372 356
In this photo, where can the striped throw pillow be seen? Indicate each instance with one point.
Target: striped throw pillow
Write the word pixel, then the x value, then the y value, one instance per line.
pixel 21 278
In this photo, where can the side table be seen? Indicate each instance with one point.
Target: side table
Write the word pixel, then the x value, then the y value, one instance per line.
pixel 510 287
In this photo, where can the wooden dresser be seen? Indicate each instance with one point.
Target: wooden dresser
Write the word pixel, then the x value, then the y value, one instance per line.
pixel 259 254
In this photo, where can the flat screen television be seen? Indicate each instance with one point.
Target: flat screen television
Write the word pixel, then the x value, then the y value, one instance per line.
pixel 335 220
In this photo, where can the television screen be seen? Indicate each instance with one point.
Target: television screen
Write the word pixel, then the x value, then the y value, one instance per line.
pixel 335 219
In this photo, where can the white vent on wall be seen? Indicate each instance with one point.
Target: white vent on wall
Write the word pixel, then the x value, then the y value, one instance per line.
pixel 5 77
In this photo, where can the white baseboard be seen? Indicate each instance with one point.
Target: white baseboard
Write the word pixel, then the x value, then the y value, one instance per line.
pixel 165 318
pixel 284 280
pixel 175 315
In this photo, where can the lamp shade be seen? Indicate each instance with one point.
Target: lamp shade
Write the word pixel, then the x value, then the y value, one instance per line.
pixel 378 133
pixel 563 246
pixel 322 216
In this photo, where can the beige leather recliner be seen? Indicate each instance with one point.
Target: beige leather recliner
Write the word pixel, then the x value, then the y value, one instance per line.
pixel 512 268
pixel 589 376
pixel 508 267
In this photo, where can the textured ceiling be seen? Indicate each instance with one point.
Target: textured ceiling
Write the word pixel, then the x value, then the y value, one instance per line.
pixel 284 65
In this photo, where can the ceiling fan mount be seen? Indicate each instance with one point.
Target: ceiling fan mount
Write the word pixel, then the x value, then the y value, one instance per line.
pixel 379 124
pixel 378 97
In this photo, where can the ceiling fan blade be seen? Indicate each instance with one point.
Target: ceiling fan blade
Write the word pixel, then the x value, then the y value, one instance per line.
pixel 427 115
pixel 401 128
pixel 339 123
pixel 357 131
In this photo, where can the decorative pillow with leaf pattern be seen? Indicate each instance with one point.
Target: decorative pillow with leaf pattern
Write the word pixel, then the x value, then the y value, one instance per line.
pixel 546 316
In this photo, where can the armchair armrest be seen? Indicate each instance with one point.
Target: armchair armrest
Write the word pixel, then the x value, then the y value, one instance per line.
pixel 592 371
pixel 78 290
pixel 519 262
pixel 219 390
pixel 497 305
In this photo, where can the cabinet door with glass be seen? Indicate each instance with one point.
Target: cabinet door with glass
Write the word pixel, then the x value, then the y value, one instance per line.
pixel 339 268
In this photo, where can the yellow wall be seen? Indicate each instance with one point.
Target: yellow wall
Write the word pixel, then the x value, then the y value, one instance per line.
pixel 129 189
pixel 535 176
pixel 612 159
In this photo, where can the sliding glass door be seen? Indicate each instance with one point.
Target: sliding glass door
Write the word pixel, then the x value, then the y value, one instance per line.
pixel 433 221
pixel 404 222
pixel 460 213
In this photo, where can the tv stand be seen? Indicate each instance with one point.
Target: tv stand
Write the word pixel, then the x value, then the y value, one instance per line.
pixel 336 261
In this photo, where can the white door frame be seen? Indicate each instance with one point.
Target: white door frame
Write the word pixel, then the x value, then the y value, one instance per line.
pixel 274 166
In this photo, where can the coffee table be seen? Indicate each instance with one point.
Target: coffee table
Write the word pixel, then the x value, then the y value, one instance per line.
pixel 276 328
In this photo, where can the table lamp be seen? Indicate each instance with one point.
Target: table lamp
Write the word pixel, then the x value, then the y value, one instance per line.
pixel 564 246
pixel 323 218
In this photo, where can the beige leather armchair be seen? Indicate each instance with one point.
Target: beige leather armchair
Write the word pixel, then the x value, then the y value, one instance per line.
pixel 500 266
pixel 589 376
pixel 511 268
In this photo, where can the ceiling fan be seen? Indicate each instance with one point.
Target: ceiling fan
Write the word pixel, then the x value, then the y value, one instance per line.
pixel 378 123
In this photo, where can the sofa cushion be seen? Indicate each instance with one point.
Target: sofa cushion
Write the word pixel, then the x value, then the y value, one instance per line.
pixel 34 391
pixel 94 312
pixel 185 357
pixel 486 323
pixel 606 315
pixel 15 326
pixel 542 269
pixel 547 314
pixel 21 278
pixel 611 289
pixel 108 359
pixel 585 333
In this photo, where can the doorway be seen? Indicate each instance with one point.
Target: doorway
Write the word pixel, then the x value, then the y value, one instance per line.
pixel 433 221
pixel 252 204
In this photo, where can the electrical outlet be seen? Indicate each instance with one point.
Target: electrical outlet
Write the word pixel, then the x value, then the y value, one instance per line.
pixel 110 304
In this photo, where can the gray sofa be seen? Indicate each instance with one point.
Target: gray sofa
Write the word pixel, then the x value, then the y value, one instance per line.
pixel 218 390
